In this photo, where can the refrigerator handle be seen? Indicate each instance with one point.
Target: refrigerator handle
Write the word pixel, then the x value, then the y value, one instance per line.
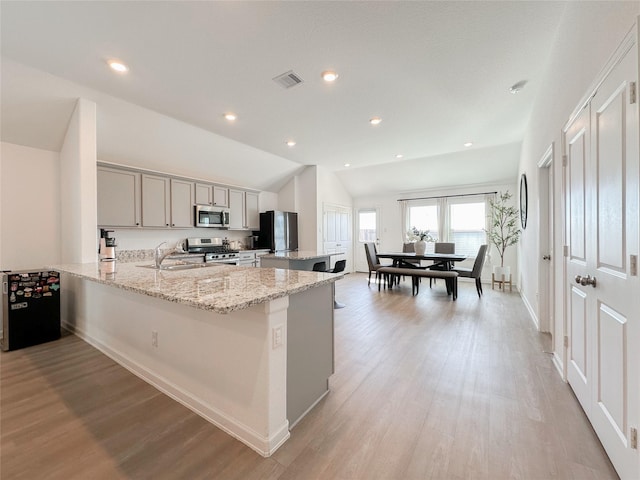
pixel 5 288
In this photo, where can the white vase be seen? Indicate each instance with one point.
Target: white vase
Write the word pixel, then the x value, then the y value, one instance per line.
pixel 420 247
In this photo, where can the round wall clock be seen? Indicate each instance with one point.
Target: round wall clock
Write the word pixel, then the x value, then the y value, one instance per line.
pixel 524 200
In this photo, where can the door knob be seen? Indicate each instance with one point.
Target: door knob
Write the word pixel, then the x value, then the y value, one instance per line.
pixel 546 257
pixel 586 280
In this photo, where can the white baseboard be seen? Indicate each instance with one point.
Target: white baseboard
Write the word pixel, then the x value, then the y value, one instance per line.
pixel 532 313
pixel 262 445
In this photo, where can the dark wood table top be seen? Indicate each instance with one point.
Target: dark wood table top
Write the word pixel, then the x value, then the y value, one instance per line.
pixel 436 257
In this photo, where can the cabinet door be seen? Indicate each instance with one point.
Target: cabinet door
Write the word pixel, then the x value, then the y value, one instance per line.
pixel 204 194
pixel 155 201
pixel 252 212
pixel 220 196
pixel 236 207
pixel 118 198
pixel 182 197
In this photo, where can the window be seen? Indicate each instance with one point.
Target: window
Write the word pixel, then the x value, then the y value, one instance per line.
pixel 460 220
pixel 467 221
pixel 367 226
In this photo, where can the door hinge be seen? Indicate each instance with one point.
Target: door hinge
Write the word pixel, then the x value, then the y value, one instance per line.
pixel 633 265
pixel 632 93
pixel 565 250
pixel 566 341
pixel 634 438
pixel 564 160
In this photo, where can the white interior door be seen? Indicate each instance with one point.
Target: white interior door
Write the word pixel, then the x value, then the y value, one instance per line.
pixel 368 224
pixel 337 234
pixel 602 228
pixel 545 243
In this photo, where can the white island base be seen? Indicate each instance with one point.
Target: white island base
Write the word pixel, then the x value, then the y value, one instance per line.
pixel 252 372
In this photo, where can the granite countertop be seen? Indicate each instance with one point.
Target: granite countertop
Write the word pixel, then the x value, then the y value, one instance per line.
pixel 300 255
pixel 219 288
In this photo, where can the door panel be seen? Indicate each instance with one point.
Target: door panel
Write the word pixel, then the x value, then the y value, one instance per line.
pixel 602 229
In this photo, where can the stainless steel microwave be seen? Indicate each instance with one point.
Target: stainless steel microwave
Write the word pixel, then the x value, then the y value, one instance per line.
pixel 208 216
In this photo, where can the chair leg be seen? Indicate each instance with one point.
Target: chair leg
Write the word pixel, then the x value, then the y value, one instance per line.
pixel 369 282
pixel 479 287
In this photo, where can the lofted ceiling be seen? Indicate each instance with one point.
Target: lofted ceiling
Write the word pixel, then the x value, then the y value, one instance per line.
pixel 437 73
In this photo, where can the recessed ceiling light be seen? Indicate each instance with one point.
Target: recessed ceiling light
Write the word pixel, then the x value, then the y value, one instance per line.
pixel 468 144
pixel 375 121
pixel 399 156
pixel 291 143
pixel 329 76
pixel 230 116
pixel 516 87
pixel 118 66
pixel 347 164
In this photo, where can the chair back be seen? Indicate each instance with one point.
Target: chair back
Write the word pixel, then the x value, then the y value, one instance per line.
pixel 444 247
pixel 339 266
pixel 479 263
pixel 408 247
pixel 372 258
pixel 320 267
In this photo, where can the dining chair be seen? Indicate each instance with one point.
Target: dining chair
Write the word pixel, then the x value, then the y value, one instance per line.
pixel 372 260
pixel 476 271
pixel 441 247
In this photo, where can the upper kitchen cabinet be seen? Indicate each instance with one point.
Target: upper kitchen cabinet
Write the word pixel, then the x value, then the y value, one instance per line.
pixel 244 210
pixel 182 197
pixel 156 201
pixel 207 194
pixel 118 198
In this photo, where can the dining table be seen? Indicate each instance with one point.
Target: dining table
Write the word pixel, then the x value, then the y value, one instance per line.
pixel 442 261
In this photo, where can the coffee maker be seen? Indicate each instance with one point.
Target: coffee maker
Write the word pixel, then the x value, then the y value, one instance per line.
pixel 107 251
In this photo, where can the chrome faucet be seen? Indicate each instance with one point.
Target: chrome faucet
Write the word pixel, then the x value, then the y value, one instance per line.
pixel 159 256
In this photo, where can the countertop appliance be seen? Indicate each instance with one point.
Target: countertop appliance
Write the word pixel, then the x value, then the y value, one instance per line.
pixel 212 217
pixel 30 310
pixel 107 251
pixel 279 231
pixel 214 249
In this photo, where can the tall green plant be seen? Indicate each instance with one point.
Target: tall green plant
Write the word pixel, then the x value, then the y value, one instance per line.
pixel 505 230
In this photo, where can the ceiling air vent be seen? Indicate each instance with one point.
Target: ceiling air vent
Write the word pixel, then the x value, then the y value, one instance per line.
pixel 288 79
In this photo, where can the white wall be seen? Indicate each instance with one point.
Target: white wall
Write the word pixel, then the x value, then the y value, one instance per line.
pixel 588 35
pixel 78 186
pixel 306 205
pixel 29 207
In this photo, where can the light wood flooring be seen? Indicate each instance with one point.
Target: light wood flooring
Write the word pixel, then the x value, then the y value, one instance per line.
pixel 425 388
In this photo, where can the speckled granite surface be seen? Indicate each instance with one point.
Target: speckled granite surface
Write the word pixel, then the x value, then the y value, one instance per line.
pixel 300 255
pixel 220 288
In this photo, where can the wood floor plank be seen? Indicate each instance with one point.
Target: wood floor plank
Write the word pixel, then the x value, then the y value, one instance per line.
pixel 424 388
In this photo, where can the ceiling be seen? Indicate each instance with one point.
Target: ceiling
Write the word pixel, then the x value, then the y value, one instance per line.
pixel 437 73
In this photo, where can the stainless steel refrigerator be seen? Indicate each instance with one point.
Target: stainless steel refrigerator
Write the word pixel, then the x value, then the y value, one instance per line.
pixel 279 231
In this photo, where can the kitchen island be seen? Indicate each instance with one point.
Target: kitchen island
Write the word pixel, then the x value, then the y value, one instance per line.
pixel 249 349
pixel 299 260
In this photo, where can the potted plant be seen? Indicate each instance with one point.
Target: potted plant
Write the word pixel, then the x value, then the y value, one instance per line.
pixel 504 231
pixel 420 237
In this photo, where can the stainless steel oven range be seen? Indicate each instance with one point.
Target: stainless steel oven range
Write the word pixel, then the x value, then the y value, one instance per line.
pixel 216 250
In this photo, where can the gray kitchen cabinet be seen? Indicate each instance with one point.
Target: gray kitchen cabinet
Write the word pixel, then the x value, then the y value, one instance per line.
pixel 118 198
pixel 207 194
pixel 182 197
pixel 245 213
pixel 252 211
pixel 156 201
pixel 220 196
pixel 204 194
pixel 236 209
